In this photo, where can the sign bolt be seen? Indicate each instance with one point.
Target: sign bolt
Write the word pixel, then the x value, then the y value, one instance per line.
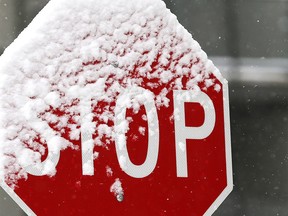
pixel 120 197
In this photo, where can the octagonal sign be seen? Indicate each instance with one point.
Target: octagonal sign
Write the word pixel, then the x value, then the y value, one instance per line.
pixel 110 107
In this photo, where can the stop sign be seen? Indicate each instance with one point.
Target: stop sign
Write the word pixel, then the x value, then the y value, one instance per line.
pixel 110 107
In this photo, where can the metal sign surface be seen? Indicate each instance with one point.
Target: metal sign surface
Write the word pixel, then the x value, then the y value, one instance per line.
pixel 127 117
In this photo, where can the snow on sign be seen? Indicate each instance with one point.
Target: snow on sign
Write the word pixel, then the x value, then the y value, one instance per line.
pixel 111 108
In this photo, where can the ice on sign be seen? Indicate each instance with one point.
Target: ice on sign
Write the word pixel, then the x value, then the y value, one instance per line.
pixel 112 107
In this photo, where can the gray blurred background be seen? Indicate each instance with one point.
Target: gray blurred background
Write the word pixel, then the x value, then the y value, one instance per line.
pixel 248 41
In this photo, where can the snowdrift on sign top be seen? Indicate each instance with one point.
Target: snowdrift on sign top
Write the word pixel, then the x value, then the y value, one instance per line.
pixel 70 53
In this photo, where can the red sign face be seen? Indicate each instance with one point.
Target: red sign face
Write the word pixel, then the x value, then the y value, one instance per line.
pixel 124 136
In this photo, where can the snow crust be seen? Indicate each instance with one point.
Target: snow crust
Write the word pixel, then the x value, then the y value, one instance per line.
pixel 77 50
pixel 116 188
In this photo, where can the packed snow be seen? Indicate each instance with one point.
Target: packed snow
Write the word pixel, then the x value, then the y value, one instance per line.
pixel 90 51
pixel 117 189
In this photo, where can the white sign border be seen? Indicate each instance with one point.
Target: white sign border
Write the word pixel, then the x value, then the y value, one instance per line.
pixel 17 199
pixel 228 151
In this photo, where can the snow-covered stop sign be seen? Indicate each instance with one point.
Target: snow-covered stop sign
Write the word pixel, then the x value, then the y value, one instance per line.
pixel 109 107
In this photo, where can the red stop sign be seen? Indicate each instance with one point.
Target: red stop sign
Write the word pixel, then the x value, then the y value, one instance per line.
pixel 129 117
